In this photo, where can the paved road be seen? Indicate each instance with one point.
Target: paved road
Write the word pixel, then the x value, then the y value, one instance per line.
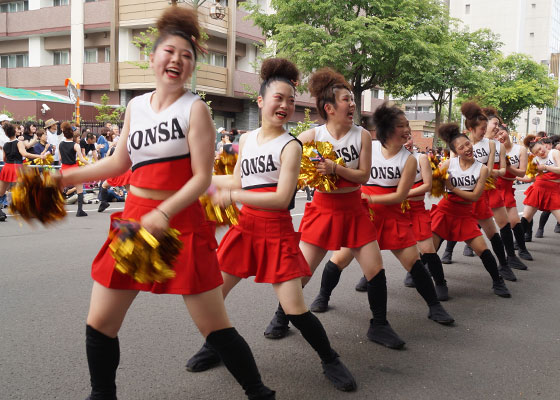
pixel 498 349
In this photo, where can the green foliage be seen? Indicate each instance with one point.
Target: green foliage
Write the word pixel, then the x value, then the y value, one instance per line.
pixel 303 125
pixel 514 84
pixel 145 42
pixel 107 113
pixel 364 40
pixel 8 113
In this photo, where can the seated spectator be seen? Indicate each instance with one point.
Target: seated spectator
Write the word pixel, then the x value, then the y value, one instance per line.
pixel 43 147
pixel 103 143
pixel 88 147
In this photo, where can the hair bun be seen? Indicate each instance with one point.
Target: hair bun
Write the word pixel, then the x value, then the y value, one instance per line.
pixel 65 127
pixel 471 110
pixel 490 112
pixel 448 131
pixel 279 68
pixel 528 140
pixel 179 19
pixel 324 78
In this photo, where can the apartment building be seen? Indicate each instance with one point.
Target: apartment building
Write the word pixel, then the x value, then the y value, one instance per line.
pixel 43 42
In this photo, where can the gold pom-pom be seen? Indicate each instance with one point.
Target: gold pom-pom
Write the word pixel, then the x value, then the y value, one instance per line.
pixel 222 216
pixel 308 175
pixel 225 163
pixel 532 170
pixel 405 206
pixel 439 176
pixel 37 195
pixel 490 183
pixel 139 254
pixel 47 161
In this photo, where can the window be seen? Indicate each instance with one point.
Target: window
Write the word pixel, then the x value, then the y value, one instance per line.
pixel 90 1
pixel 467 9
pixel 14 6
pixel 90 56
pixel 60 3
pixel 107 54
pixel 428 134
pixel 61 57
pixel 375 93
pixel 14 60
pixel 216 59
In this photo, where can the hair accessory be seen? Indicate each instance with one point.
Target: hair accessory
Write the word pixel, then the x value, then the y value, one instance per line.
pixel 198 46
pixel 295 83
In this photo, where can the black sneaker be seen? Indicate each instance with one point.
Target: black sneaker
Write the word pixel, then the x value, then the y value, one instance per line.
pixel 442 292
pixel 408 281
pixel 320 304
pixel 338 374
pixel 524 254
pixel 515 245
pixel 468 251
pixel 361 286
pixel 500 288
pixel 515 262
pixel 506 273
pixel 103 206
pixel 540 233
pixel 557 228
pixel 446 258
pixel 81 214
pixel 3 216
pixel 384 335
pixel 278 327
pixel 438 314
pixel 204 359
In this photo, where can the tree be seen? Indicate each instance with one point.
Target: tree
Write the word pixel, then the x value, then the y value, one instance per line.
pixel 450 61
pixel 303 125
pixel 107 113
pixel 362 39
pixel 516 83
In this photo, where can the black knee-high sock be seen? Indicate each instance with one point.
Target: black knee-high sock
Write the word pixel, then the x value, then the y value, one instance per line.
pixel 450 246
pixel 498 247
pixel 103 194
pixel 543 219
pixel 103 356
pixel 312 330
pixel 527 226
pixel 507 239
pixel 519 236
pixel 423 283
pixel 489 263
pixel 435 267
pixel 80 202
pixel 330 278
pixel 238 359
pixel 377 297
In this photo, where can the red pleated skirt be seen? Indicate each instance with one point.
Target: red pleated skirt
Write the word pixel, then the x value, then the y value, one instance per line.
pixel 64 167
pixel 9 172
pixel 421 220
pixel 481 208
pixel 121 180
pixel 336 220
pixel 495 198
pixel 454 221
pixel 196 266
pixel 263 245
pixel 543 195
pixel 505 187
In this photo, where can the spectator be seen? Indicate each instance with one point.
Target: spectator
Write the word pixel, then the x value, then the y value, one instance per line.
pixel 116 134
pixel 73 126
pixel 221 132
pixel 52 138
pixel 103 143
pixel 42 146
pixel 88 147
pixel 29 137
pixel 115 193
pixel 3 137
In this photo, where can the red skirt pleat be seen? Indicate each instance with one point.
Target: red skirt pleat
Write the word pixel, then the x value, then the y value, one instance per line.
pixel 481 208
pixel 495 198
pixel 196 266
pixel 64 167
pixel 9 172
pixel 394 228
pixel 421 220
pixel 121 180
pixel 263 245
pixel 543 195
pixel 336 220
pixel 505 187
pixel 454 221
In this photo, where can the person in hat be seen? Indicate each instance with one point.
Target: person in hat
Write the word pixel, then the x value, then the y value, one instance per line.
pixel 224 140
pixel 52 138
pixel 3 137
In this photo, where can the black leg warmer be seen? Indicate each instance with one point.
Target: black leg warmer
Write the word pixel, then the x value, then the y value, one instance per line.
pixel 507 239
pixel 435 267
pixel 312 330
pixel 544 219
pixel 424 284
pixel 330 278
pixel 527 226
pixel 519 236
pixel 103 356
pixel 450 246
pixel 489 263
pixel 498 247
pixel 377 297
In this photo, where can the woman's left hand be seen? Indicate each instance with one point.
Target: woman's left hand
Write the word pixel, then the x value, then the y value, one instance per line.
pixel 326 167
pixel 541 167
pixel 155 222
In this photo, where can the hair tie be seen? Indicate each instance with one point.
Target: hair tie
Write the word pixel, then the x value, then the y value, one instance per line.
pixel 198 46
pixel 295 83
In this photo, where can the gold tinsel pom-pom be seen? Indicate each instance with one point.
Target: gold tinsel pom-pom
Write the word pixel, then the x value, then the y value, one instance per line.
pixel 225 163
pixel 37 195
pixel 308 175
pixel 439 176
pixel 139 254
pixel 405 206
pixel 47 161
pixel 532 170
pixel 222 216
pixel 490 183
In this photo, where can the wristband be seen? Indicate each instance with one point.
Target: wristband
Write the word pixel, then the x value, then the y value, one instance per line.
pixel 230 198
pixel 163 213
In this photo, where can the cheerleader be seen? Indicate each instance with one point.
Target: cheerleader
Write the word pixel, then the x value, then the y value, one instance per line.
pixel 14 151
pixel 421 223
pixel 264 243
pixel 484 151
pixel 517 166
pixel 551 143
pixel 392 175
pixel 452 217
pixel 340 218
pixel 69 150
pixel 544 194
pixel 171 168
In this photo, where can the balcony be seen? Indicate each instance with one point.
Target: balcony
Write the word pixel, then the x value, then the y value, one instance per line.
pixel 245 27
pixel 140 13
pixel 48 76
pixel 44 20
pixel 210 79
pixel 97 76
pixel 97 14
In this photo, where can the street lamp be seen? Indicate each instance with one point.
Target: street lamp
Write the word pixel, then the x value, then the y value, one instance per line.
pixel 217 11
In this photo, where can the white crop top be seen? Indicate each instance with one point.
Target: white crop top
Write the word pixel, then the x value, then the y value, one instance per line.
pixel 418 177
pixel 481 151
pixel 464 180
pixel 497 152
pixel 159 137
pixel 386 173
pixel 260 164
pixel 513 155
pixel 347 147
